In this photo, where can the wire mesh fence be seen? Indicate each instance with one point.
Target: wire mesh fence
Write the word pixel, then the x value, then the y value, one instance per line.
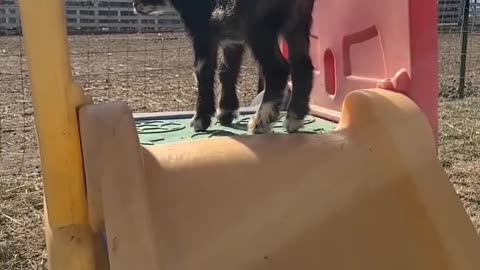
pixel 151 70
pixel 459 38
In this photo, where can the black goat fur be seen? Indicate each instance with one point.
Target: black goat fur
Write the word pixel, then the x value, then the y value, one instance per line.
pixel 232 25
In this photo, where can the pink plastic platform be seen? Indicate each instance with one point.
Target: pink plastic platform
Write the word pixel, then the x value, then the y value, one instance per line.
pixel 389 44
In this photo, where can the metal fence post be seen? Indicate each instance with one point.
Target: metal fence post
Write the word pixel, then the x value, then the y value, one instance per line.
pixel 463 59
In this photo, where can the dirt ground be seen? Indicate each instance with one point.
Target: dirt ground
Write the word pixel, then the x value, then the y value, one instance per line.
pixel 154 73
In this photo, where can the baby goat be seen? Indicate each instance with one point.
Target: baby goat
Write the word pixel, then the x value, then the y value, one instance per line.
pixel 232 24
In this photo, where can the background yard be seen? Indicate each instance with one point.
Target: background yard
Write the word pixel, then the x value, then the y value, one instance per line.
pixel 153 72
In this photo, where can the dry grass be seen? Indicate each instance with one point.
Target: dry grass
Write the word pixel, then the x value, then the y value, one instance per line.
pixel 460 151
pixel 152 73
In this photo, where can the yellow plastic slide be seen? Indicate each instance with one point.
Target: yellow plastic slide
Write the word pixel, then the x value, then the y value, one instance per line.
pixel 370 195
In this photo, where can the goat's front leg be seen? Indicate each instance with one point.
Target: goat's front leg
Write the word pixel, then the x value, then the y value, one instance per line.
pixel 205 50
pixel 229 71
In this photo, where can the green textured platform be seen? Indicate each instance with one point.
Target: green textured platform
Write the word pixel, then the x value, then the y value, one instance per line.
pixel 160 131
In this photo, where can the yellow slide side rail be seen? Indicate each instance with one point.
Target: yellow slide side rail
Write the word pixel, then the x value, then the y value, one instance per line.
pixel 56 99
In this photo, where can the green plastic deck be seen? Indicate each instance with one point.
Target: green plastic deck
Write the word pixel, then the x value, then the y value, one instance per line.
pixel 162 131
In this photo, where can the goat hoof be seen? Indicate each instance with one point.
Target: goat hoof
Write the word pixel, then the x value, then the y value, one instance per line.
pixel 259 127
pixel 266 115
pixel 226 117
pixel 200 123
pixel 293 124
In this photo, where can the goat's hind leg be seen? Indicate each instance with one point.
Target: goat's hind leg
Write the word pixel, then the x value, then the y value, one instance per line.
pixel 275 68
pixel 205 50
pixel 229 71
pixel 302 78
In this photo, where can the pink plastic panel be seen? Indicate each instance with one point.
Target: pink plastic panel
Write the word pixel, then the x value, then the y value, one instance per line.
pixel 358 44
